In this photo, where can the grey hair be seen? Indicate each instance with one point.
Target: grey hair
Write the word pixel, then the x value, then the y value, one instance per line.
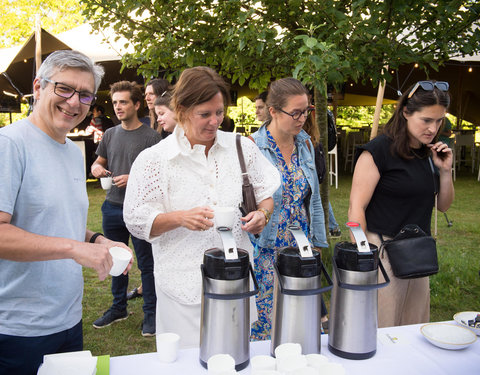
pixel 68 59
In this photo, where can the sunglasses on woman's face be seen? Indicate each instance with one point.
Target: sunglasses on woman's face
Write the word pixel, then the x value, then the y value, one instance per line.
pixel 429 86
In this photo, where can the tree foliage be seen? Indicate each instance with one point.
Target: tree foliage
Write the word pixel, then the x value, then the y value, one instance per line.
pixel 257 41
pixel 349 116
pixel 243 112
pixel 18 18
pixel 320 42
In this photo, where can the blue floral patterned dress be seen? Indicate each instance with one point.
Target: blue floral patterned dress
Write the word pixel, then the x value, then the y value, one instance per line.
pixel 292 211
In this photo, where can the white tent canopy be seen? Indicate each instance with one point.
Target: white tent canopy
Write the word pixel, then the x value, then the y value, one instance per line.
pixel 99 46
pixel 105 47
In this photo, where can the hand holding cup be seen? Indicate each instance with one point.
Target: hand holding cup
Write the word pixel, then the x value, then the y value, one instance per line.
pixel 121 258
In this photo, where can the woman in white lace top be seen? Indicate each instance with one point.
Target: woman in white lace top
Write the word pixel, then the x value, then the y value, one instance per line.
pixel 173 188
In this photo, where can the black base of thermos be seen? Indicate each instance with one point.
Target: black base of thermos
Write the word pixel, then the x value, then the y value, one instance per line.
pixel 238 367
pixel 341 353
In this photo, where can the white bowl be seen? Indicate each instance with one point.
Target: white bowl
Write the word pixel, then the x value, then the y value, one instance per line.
pixel 463 317
pixel 448 336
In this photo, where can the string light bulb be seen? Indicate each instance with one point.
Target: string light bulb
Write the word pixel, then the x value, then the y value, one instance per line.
pixel 470 69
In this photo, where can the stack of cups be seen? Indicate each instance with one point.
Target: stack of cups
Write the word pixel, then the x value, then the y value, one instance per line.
pixel 289 358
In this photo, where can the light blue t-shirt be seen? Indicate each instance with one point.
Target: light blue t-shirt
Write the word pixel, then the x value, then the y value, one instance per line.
pixel 42 185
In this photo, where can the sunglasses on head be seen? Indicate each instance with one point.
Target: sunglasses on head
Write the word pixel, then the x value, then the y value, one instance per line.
pixel 429 86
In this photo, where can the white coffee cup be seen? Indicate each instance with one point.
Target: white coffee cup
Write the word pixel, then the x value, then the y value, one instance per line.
pixel 167 346
pixel 316 360
pixel 106 182
pixel 220 364
pixel 288 349
pixel 265 372
pixel 224 217
pixel 121 257
pixel 262 362
pixel 289 363
pixel 331 368
pixel 304 371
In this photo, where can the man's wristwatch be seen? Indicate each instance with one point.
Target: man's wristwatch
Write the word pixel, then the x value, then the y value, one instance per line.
pixel 267 214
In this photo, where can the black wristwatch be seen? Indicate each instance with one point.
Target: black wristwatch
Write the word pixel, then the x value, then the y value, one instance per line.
pixel 94 237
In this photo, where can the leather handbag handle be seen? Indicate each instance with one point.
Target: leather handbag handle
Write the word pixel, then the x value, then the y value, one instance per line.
pixel 246 181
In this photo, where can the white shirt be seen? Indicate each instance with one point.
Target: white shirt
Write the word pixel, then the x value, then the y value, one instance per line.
pixel 172 176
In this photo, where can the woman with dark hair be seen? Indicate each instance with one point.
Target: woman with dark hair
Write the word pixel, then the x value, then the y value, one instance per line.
pixel 153 90
pixel 174 187
pixel 297 201
pixel 166 118
pixel 393 185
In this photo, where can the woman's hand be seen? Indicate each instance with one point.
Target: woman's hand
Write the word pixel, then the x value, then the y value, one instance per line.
pixel 254 222
pixel 198 218
pixel 442 156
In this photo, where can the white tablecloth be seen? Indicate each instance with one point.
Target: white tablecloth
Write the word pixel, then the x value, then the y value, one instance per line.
pixel 400 350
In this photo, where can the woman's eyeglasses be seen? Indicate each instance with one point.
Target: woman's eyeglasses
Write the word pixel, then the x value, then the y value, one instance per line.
pixel 297 114
pixel 429 86
pixel 66 92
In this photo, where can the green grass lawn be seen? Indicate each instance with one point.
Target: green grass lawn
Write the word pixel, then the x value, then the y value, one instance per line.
pixel 455 288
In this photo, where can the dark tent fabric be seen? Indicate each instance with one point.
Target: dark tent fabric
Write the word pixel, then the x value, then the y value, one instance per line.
pixel 21 71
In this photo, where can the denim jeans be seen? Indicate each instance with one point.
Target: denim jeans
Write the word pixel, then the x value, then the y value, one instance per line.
pixel 114 228
pixel 23 355
pixel 332 223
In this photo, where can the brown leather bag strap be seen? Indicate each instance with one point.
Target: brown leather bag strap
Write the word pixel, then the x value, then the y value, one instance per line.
pixel 246 181
pixel 308 145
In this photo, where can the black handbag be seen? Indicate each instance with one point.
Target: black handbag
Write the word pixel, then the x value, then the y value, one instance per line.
pixel 412 253
pixel 249 202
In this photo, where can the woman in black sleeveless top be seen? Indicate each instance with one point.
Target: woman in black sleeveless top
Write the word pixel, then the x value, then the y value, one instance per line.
pixel 393 185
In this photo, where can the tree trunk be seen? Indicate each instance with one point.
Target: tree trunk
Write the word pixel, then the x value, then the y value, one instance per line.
pixel 321 122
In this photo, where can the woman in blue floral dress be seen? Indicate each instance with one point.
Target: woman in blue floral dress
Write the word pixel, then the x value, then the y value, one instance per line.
pixel 297 201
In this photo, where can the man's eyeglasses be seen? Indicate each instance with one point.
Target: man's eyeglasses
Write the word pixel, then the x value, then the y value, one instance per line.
pixel 297 114
pixel 66 92
pixel 429 86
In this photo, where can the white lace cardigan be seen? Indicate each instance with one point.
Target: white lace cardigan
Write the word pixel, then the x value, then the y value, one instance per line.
pixel 173 176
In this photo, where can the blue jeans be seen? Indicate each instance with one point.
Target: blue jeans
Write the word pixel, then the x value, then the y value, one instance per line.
pixel 23 355
pixel 114 228
pixel 332 223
